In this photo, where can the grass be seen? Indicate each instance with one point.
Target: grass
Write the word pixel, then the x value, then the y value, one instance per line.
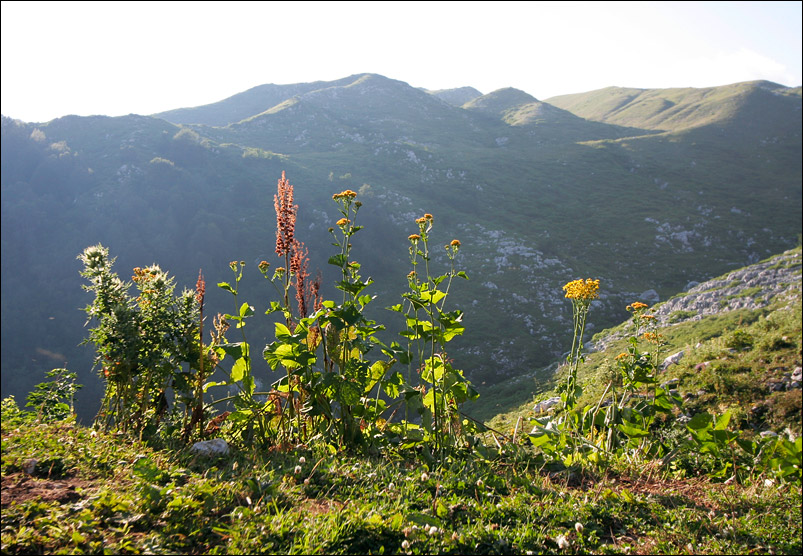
pixel 67 488
pixel 96 493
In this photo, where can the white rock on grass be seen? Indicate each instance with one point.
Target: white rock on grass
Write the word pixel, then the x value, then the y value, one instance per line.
pixel 214 447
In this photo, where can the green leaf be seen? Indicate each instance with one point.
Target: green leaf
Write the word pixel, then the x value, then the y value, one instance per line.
pixel 432 296
pixel 700 421
pixel 722 422
pixel 338 260
pixel 632 431
pixel 440 509
pixel 239 369
pixel 226 286
pixel 246 310
pixel 211 384
pixel 282 332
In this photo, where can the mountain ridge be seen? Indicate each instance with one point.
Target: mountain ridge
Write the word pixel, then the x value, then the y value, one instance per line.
pixel 536 194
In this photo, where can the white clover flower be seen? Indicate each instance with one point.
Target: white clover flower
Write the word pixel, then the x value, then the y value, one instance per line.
pixel 406 544
pixel 432 530
pixel 480 483
pixel 302 460
pixel 424 477
pixel 391 486
pixel 578 527
pixel 297 470
pixel 306 481
pixel 563 542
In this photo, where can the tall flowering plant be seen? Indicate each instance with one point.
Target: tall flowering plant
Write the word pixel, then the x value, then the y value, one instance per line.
pixel 441 388
pixel 581 293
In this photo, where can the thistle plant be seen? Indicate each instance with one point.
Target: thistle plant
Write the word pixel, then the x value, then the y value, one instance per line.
pixel 141 343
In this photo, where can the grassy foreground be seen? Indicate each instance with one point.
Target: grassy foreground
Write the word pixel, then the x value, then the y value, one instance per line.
pixel 71 490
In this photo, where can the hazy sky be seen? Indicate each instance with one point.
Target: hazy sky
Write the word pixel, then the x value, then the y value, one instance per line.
pixel 117 58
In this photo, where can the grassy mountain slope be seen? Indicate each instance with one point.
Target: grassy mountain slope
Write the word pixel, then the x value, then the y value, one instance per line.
pixel 242 105
pixel 66 487
pixel 678 109
pixel 536 201
pixel 739 339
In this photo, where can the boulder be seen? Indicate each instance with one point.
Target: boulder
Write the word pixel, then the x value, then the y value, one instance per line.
pixel 214 447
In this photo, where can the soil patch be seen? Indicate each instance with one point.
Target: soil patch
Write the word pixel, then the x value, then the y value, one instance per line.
pixel 20 488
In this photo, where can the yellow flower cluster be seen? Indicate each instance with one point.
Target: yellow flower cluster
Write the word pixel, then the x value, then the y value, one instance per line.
pixel 582 289
pixel 343 222
pixel 455 243
pixel 653 337
pixel 414 237
pixel 636 306
pixel 347 194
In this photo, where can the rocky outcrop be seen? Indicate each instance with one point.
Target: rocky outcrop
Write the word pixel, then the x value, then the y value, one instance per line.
pixel 752 287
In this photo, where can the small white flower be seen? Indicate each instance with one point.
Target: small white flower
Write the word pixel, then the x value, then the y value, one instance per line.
pixel 563 543
pixel 424 477
pixel 302 460
pixel 768 482
pixel 297 470
pixel 405 544
pixel 306 481
pixel 391 486
pixel 432 530
pixel 480 483
pixel 578 527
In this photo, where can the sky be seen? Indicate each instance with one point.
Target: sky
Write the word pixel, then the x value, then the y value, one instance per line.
pixel 117 58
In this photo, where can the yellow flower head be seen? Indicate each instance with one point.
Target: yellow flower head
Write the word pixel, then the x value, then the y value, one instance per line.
pixel 582 289
pixel 421 220
pixel 455 243
pixel 343 222
pixel 347 194
pixel 636 306
pixel 414 237
pixel 621 355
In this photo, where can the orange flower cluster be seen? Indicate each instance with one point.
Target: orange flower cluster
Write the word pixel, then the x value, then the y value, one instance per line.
pixel 582 289
pixel 141 274
pixel 455 243
pixel 343 222
pixel 286 213
pixel 414 237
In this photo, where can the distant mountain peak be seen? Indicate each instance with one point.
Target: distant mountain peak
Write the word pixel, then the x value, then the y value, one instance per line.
pixel 456 97
pixel 500 101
